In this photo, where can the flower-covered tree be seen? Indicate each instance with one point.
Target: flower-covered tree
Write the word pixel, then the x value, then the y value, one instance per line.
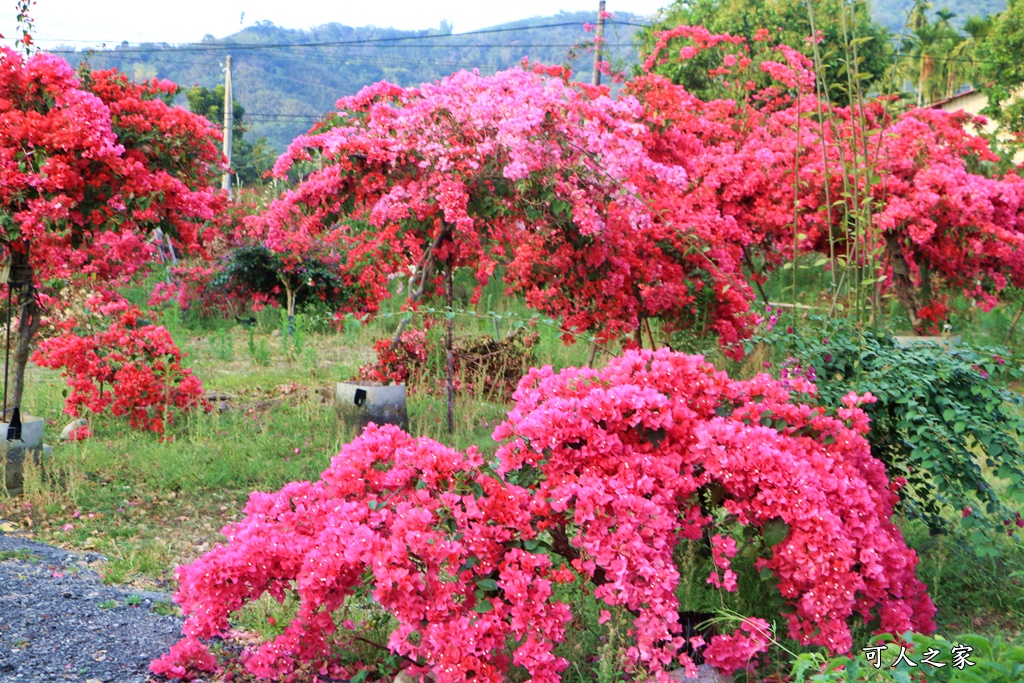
pixel 908 192
pixel 89 166
pixel 599 476
pixel 522 169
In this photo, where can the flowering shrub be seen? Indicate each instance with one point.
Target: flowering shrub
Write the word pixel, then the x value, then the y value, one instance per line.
pixel 599 475
pixel 90 166
pixel 522 169
pixel 933 315
pixel 131 367
pixel 939 219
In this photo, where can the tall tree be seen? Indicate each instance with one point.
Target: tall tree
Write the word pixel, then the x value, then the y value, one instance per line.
pixel 848 37
pixel 1002 68
pixel 251 158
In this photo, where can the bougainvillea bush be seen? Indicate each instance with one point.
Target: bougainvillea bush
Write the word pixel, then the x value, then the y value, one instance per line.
pixel 524 170
pixel 90 166
pixel 597 478
pixel 131 367
pixel 931 210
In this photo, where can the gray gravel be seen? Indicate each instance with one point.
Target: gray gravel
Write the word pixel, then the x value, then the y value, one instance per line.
pixel 52 627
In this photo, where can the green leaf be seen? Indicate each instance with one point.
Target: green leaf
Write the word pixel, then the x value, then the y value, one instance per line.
pixel 483 606
pixel 487 584
pixel 775 531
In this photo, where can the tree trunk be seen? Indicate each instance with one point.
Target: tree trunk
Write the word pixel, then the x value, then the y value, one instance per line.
pixel 449 368
pixel 903 286
pixel 29 319
pixel 290 295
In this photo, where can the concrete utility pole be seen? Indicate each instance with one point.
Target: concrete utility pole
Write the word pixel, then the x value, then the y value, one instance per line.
pixel 229 125
pixel 598 43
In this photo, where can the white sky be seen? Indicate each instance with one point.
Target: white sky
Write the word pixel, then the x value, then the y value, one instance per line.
pixel 94 22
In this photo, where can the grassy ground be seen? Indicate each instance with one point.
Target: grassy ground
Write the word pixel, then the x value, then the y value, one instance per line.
pixel 149 504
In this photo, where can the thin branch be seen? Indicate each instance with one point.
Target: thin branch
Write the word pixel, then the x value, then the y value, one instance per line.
pixel 427 263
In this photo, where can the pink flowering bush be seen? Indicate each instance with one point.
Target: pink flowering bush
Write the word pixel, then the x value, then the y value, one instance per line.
pixel 599 475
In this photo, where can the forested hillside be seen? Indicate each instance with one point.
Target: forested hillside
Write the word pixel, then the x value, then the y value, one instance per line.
pixel 286 78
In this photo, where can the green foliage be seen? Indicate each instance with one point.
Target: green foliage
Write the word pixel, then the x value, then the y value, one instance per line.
pixel 250 159
pixel 745 17
pixel 1003 69
pixel 944 419
pixel 223 344
pixel 974 579
pixel 990 662
pixel 257 270
pixel 293 335
pixel 259 352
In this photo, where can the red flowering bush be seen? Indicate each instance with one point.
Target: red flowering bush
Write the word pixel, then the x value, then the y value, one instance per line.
pixel 600 475
pixel 933 315
pixel 523 169
pixel 938 215
pixel 91 165
pixel 131 367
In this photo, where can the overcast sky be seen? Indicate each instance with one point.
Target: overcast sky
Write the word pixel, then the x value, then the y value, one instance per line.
pixel 93 22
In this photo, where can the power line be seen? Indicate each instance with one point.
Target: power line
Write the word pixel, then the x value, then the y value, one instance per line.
pixel 234 47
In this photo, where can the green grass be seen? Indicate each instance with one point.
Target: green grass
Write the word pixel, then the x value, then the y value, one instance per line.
pixel 19 555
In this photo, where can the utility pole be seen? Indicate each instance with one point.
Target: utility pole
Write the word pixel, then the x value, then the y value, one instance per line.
pixel 229 125
pixel 598 43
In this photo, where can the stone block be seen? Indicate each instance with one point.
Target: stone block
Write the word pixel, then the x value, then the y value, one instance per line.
pixel 14 452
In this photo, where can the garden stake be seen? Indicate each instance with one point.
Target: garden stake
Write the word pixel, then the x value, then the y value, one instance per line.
pixel 7 350
pixel 14 426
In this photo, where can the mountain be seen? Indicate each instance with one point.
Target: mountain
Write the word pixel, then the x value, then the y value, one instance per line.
pixel 287 78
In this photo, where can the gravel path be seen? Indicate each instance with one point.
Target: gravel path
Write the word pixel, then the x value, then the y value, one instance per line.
pixel 53 627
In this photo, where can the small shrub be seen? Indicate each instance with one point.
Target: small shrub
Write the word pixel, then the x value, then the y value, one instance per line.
pixel 132 367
